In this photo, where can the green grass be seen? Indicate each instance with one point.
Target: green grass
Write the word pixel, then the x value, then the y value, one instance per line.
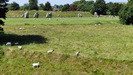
pixel 105 48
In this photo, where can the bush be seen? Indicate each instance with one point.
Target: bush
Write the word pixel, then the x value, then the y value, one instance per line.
pixel 126 15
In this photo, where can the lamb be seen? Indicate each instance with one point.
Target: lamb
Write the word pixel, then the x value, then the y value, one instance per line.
pixel 50 51
pixel 36 65
pixel 20 47
pixel 77 53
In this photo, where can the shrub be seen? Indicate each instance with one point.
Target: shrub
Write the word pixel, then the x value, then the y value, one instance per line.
pixel 126 15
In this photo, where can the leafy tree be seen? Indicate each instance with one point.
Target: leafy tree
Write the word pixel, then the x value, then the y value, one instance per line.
pixel 126 13
pixel 24 7
pixel 13 6
pixel 83 5
pixel 99 7
pixel 48 6
pixel 73 8
pixel 60 7
pixel 42 7
pixel 109 7
pixel 65 7
pixel 130 2
pixel 33 4
pixel 3 11
pixel 76 3
pixel 113 8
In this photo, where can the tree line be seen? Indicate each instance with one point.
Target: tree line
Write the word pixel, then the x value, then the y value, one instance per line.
pixel 100 6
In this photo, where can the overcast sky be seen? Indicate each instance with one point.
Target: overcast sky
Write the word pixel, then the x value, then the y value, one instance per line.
pixel 58 2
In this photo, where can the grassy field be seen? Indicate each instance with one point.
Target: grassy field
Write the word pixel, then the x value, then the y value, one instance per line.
pixel 105 46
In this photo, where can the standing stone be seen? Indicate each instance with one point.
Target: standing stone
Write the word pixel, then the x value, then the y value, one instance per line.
pixel 49 15
pixel 80 15
pixel 36 15
pixel 58 15
pixel 22 16
pixel 95 14
pixel 26 15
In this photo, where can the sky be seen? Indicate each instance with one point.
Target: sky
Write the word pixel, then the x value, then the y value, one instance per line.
pixel 58 2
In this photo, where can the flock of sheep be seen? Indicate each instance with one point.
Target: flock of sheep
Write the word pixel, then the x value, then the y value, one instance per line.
pixel 36 65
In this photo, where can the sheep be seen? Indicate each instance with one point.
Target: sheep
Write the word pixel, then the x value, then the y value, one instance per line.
pixel 36 65
pixel 20 47
pixel 77 53
pixel 8 44
pixel 50 51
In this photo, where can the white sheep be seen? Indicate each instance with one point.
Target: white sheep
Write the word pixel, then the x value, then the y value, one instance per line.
pixel 8 44
pixel 77 53
pixel 20 47
pixel 36 65
pixel 50 51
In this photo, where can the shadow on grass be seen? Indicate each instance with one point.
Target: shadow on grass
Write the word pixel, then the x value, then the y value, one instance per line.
pixel 21 39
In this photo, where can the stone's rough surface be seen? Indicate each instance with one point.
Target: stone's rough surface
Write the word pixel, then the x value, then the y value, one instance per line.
pixel 49 15
pixel 36 15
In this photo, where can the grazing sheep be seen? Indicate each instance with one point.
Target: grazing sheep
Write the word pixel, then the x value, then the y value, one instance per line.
pixel 50 51
pixel 36 65
pixel 77 53
pixel 8 44
pixel 20 47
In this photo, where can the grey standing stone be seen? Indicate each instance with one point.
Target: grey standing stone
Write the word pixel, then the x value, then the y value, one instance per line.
pixel 95 14
pixel 36 15
pixel 22 16
pixel 49 15
pixel 26 15
pixel 58 15
pixel 80 15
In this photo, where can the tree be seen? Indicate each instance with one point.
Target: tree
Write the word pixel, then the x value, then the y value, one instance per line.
pixel 33 4
pixel 99 7
pixel 113 8
pixel 13 6
pixel 41 7
pixel 65 7
pixel 83 5
pixel 73 8
pixel 24 7
pixel 3 11
pixel 125 14
pixel 130 2
pixel 47 6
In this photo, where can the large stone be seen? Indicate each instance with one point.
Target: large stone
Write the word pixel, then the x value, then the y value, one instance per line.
pixel 36 15
pixel 49 15
pixel 26 15
pixel 80 15
pixel 95 14
pixel 22 16
pixel 58 15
